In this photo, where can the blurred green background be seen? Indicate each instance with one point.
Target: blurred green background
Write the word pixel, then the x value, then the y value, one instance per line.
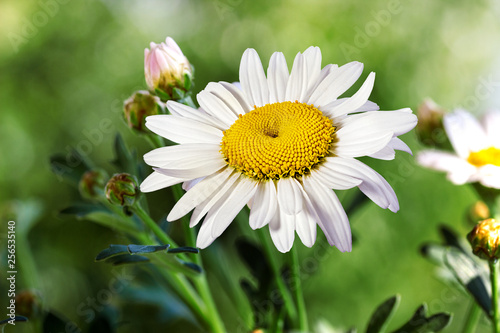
pixel 66 66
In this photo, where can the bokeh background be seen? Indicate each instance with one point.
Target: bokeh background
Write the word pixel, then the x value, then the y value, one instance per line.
pixel 66 66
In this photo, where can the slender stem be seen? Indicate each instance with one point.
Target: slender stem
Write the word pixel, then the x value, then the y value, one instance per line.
pixel 472 318
pixel 297 288
pixel 494 294
pixel 271 256
pixel 148 221
pixel 200 282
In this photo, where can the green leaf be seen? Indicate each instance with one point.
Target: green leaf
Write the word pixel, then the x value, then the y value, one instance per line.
pixel 70 167
pixel 101 215
pixel 16 320
pixel 112 250
pixel 185 249
pixel 57 323
pixel 143 249
pixel 470 275
pixel 127 258
pixel 193 266
pixel 125 160
pixel 420 323
pixel 382 315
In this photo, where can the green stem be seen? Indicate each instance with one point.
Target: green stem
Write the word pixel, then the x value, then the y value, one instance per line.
pixel 494 294
pixel 271 256
pixel 297 288
pixel 200 282
pixel 472 318
pixel 148 221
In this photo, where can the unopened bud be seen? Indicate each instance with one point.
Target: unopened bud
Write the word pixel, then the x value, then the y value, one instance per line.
pixel 167 70
pixel 430 128
pixel 485 238
pixel 92 183
pixel 140 105
pixel 122 189
pixel 478 211
pixel 28 304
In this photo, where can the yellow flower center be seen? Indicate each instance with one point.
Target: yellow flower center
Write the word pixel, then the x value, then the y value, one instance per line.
pixel 278 140
pixel 486 156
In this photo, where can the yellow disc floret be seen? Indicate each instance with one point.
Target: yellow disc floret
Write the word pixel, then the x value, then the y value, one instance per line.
pixel 486 156
pixel 278 140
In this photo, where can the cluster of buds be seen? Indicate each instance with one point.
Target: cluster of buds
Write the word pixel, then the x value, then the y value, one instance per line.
pixel 168 72
pixel 485 239
pixel 122 190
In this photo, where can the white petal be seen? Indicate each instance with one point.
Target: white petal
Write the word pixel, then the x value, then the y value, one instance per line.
pixel 332 217
pixel 182 130
pixel 227 97
pixel 156 181
pixel 459 170
pixel 373 185
pixel 329 175
pixel 252 79
pixel 277 77
pixel 296 87
pixel 178 109
pixel 357 100
pixel 194 168
pixel 312 58
pixel 465 133
pixel 398 144
pixel 491 123
pixel 206 205
pixel 187 185
pixel 230 204
pixel 336 83
pixel 216 107
pixel 322 75
pixel 238 94
pixel 199 193
pixel 389 151
pixel 489 176
pixel 282 230
pixel 264 205
pixel 305 221
pixel 164 156
pixel 289 195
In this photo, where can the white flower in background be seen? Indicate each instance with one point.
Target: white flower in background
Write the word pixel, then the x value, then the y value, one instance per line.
pixel 165 66
pixel 280 145
pixel 477 149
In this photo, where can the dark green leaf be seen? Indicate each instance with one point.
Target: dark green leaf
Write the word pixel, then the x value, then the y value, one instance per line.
pixel 143 249
pixel 69 167
pixel 255 260
pixel 57 323
pixel 122 259
pixel 83 209
pixel 420 323
pixel 193 266
pixel 185 249
pixel 125 160
pixel 451 238
pixel 112 250
pixel 16 320
pixel 470 275
pixel 382 315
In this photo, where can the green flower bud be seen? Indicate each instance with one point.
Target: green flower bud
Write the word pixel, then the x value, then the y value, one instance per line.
pixel 140 105
pixel 92 183
pixel 485 238
pixel 28 304
pixel 430 128
pixel 122 190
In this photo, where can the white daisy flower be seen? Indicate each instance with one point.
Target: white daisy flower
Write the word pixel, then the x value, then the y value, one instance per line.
pixel 477 149
pixel 280 145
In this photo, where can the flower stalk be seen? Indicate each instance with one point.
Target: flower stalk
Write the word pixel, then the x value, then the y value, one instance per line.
pixel 493 263
pixel 299 296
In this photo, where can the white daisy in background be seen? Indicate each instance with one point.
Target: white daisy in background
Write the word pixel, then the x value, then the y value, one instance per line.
pixel 280 145
pixel 477 149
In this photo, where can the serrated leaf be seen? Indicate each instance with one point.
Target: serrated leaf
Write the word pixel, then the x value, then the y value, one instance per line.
pixel 438 322
pixel 143 249
pixel 184 249
pixel 112 250
pixel 382 315
pixel 470 275
pixel 127 258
